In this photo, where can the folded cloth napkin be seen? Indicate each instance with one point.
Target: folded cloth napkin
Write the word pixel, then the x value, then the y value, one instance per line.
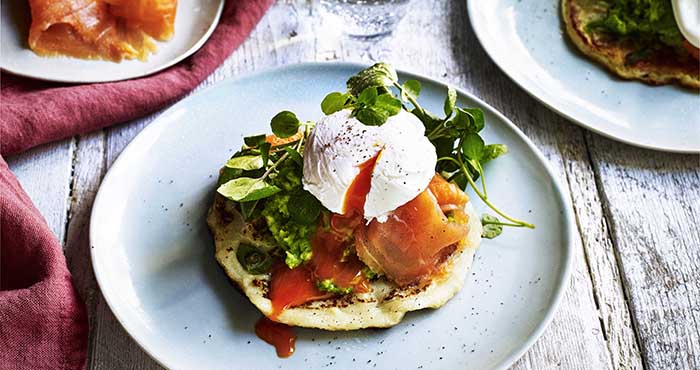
pixel 43 322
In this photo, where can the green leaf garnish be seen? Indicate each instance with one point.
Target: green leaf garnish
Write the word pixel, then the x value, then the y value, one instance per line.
pixel 285 124
pixel 253 259
pixel 304 208
pixel 378 75
pixel 493 151
pixel 476 117
pixel 469 120
pixel 334 102
pixel 227 174
pixel 246 189
pixel 374 109
pixel 265 152
pixel 473 146
pixel 258 173
pixel 368 96
pixel 463 163
pixel 254 141
pixel 444 147
pixel 410 90
pixel 492 227
pixel 387 105
pixel 294 155
pixel 450 101
pixel 246 162
pixel 369 117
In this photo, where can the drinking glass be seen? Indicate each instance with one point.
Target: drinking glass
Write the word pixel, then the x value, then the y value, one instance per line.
pixel 366 18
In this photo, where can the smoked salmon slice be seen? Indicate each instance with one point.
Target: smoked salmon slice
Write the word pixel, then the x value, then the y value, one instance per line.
pixel 417 236
pixel 100 29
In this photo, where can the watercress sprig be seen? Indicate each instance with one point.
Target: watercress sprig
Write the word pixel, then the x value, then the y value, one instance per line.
pixel 372 106
pixel 461 150
pixel 246 177
pixel 268 166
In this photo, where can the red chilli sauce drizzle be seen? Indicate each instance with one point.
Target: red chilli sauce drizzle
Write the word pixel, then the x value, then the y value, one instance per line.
pixel 294 287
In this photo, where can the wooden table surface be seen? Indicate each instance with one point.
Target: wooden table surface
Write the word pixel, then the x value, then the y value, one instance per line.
pixel 634 298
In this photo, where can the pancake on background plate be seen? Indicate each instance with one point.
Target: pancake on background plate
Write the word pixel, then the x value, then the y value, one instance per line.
pixel 655 41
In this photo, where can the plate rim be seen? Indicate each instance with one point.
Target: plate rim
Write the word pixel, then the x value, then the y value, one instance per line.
pixel 553 106
pixel 563 278
pixel 193 49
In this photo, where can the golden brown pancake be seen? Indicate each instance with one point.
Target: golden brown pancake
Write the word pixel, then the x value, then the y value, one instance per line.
pixel 663 66
pixel 384 305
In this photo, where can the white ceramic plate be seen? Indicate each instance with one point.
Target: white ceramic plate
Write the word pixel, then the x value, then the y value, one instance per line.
pixel 154 258
pixel 194 23
pixel 526 39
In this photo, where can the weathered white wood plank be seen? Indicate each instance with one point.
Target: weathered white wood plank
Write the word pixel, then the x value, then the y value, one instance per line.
pixel 652 201
pixel 45 173
pixel 88 168
pixel 600 258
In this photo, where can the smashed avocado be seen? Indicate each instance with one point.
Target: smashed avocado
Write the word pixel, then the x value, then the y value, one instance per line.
pixel 328 285
pixel 294 238
pixel 648 23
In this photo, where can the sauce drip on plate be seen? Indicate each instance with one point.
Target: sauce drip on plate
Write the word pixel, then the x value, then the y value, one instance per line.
pixel 294 287
pixel 281 336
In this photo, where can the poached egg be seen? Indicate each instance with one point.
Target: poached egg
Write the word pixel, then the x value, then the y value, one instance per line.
pixel 340 146
pixel 687 14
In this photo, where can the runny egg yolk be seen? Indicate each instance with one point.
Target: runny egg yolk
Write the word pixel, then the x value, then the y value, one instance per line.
pixel 359 188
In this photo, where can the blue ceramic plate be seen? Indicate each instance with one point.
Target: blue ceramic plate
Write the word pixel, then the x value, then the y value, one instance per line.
pixel 527 40
pixel 154 258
